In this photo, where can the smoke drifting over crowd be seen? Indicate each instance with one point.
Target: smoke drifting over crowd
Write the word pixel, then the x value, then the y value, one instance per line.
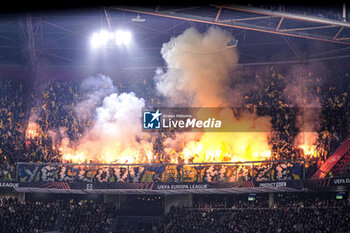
pixel 198 75
pixel 115 135
pixel 96 89
pixel 200 72
pixel 299 95
pixel 198 68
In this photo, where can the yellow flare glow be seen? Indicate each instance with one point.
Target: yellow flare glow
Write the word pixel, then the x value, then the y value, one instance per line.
pixel 309 150
pixel 211 147
pixel 306 141
pixel 221 147
pixel 32 130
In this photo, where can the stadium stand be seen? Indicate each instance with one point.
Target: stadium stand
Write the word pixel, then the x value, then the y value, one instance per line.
pixel 27 216
pixel 55 102
pixel 42 189
pixel 292 212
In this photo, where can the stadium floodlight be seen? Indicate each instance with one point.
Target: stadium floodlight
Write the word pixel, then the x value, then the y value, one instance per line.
pixel 100 39
pixel 122 37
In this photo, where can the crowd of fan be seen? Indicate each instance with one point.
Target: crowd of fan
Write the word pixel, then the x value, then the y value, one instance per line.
pixel 84 217
pixel 281 200
pixel 12 119
pixel 38 216
pixel 287 215
pixel 308 219
pixel 26 217
pixel 223 202
pixel 274 94
pixel 52 108
pixel 313 203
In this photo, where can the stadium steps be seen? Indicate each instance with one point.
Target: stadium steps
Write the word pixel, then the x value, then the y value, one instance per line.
pixel 340 155
pixel 342 165
pixel 346 170
pixel 58 221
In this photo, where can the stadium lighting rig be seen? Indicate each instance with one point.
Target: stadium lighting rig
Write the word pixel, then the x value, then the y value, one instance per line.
pixel 104 38
pixel 232 44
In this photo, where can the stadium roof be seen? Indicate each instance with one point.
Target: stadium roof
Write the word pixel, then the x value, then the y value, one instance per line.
pixel 61 37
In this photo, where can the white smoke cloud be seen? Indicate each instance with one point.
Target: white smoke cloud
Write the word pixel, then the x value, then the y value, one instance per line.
pixel 198 65
pixel 116 134
pixel 95 89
